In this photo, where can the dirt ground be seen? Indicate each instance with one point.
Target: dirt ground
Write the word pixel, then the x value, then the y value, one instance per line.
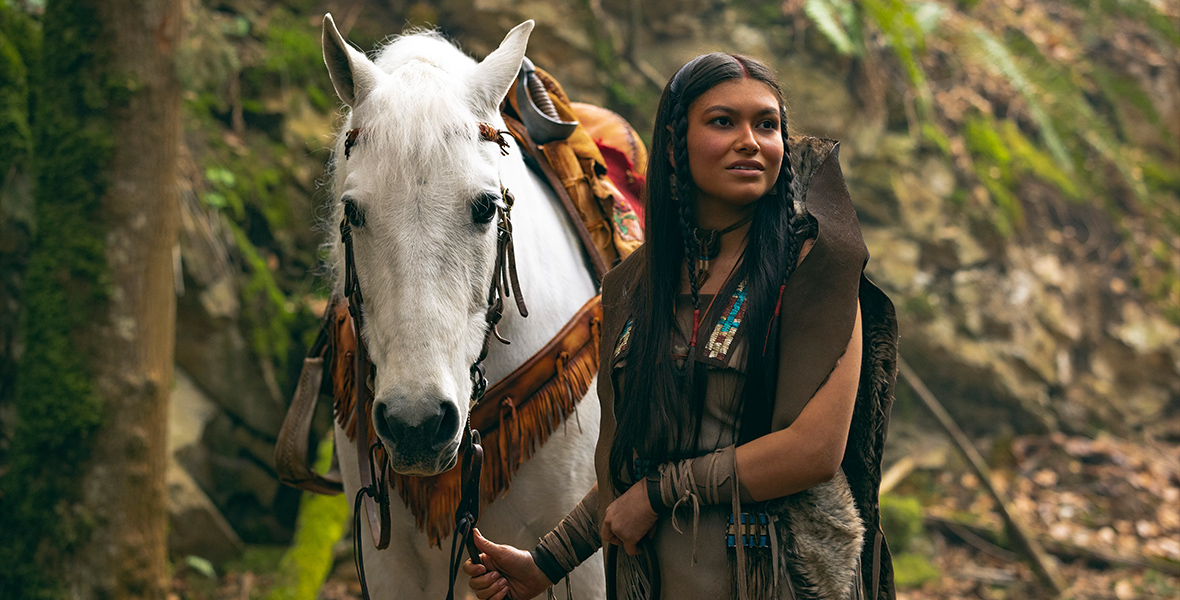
pixel 1105 508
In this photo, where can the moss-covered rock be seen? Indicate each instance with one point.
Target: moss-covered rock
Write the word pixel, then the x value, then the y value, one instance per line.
pixel 322 521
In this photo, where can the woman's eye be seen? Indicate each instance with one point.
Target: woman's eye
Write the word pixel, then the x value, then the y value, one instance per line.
pixel 723 121
pixel 483 210
pixel 354 214
pixel 768 124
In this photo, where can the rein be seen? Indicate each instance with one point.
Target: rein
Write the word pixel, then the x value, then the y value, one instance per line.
pixel 372 460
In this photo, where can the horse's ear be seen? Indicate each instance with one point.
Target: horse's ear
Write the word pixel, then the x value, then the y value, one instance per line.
pixel 491 79
pixel 353 74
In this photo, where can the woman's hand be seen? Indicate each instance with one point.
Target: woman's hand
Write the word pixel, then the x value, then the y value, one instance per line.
pixel 506 572
pixel 629 518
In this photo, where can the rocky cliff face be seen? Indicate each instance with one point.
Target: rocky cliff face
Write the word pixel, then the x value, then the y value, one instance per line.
pixel 1033 324
pixel 1024 303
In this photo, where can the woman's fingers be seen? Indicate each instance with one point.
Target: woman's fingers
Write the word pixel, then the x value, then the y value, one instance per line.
pixel 497 590
pixel 486 580
pixel 472 569
pixel 631 548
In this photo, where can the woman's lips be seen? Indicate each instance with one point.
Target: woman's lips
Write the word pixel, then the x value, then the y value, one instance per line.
pixel 746 167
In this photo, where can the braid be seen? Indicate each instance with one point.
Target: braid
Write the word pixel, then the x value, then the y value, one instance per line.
pixel 684 191
pixel 786 178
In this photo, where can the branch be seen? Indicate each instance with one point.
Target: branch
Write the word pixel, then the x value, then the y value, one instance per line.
pixel 1025 544
pixel 1056 547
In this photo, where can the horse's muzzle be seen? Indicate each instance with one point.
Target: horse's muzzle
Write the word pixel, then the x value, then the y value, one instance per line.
pixel 418 432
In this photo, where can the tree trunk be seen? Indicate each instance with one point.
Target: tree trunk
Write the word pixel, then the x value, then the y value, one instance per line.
pixel 123 486
pixel 82 495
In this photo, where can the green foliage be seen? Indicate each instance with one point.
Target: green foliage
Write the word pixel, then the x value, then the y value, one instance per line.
pixel 201 565
pixel 996 56
pixel 901 520
pixel 268 313
pixel 993 164
pixel 906 34
pixel 839 22
pixel 920 307
pixel 17 46
pixel 249 76
pixel 322 521
pixel 293 50
pixel 65 290
pixel 912 570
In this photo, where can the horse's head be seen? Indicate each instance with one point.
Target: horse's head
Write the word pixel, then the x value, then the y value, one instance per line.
pixel 420 185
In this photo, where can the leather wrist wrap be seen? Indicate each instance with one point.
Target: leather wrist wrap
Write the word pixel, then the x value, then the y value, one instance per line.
pixel 575 539
pixel 708 479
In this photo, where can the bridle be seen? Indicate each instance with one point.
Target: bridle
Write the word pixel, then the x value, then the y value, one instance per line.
pixel 373 495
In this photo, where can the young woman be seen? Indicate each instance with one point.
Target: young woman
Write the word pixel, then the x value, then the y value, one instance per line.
pixel 746 372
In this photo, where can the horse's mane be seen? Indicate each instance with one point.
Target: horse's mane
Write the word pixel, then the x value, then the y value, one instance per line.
pixel 404 126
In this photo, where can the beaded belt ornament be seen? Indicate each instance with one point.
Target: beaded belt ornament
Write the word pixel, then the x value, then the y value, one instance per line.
pixel 754 531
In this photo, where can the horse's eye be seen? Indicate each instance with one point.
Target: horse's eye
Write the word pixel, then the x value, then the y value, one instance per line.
pixel 354 214
pixel 483 209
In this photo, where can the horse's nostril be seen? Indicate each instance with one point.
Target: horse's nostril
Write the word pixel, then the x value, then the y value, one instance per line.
pixel 448 423
pixel 388 425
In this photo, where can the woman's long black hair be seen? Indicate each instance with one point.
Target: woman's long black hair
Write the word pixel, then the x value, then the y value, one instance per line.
pixel 658 410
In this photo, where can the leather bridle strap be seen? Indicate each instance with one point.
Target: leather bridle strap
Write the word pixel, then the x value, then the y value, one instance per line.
pixel 374 498
pixel 504 282
pixel 467 514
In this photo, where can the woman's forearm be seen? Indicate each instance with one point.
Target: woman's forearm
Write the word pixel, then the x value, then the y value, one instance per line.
pixel 574 539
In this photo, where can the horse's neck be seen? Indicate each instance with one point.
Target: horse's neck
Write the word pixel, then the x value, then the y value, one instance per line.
pixel 553 273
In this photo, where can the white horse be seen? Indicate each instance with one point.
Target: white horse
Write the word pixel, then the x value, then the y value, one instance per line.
pixel 421 178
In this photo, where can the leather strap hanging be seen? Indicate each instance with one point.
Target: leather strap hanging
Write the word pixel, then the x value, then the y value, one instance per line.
pixel 291 448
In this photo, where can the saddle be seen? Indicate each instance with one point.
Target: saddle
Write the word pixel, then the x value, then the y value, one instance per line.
pixel 596 164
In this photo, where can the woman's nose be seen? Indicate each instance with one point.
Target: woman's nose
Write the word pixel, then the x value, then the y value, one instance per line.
pixel 746 141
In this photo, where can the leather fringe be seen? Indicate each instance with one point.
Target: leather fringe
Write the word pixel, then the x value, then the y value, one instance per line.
pixel 523 426
pixel 342 352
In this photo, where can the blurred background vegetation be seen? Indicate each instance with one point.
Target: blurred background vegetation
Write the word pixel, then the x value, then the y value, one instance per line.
pixel 1015 165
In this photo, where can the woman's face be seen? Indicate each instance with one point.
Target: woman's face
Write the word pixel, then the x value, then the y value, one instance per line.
pixel 735 148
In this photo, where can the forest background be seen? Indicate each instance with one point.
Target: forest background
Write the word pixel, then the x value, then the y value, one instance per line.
pixel 1015 165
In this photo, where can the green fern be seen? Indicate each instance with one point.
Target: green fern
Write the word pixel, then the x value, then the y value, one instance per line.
pixel 905 34
pixel 835 19
pixel 995 56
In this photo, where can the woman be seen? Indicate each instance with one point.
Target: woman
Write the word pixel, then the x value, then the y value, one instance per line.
pixel 746 372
